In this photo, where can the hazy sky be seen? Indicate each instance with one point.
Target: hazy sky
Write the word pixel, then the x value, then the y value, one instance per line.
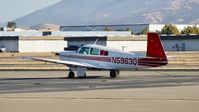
pixel 13 9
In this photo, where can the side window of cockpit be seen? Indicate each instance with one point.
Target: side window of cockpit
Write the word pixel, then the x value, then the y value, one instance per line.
pixel 94 51
pixel 84 50
pixel 104 53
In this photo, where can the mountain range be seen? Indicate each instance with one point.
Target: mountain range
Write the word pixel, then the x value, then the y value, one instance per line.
pixel 86 12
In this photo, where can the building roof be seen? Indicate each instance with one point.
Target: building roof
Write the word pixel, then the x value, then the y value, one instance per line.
pixel 41 38
pixel 179 37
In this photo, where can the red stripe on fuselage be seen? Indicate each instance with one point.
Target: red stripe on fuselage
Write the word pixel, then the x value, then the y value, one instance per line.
pixel 94 58
pixel 152 62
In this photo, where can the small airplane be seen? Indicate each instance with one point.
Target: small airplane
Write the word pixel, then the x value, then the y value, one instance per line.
pixel 104 58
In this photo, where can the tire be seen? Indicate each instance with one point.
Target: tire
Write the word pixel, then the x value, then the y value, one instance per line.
pixel 113 74
pixel 71 74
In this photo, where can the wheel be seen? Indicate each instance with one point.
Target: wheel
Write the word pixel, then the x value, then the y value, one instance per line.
pixel 71 74
pixel 113 74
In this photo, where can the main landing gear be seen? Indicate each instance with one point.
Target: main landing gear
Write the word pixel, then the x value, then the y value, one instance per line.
pixel 71 74
pixel 114 73
pixel 81 73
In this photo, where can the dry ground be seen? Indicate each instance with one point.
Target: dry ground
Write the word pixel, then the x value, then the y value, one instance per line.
pixel 12 61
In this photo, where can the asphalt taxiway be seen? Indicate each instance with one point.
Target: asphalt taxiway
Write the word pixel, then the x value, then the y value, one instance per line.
pixel 138 91
pixel 51 81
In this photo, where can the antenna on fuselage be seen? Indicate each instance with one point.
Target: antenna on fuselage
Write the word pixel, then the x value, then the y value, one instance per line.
pixel 95 41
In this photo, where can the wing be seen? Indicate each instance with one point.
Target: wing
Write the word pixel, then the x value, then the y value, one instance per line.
pixel 68 63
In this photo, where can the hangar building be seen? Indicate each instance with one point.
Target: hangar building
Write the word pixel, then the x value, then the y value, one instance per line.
pixel 33 43
pixel 128 43
pixel 57 41
pixel 181 42
pixel 138 43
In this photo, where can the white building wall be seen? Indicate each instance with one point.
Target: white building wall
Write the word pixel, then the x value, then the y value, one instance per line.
pixel 169 45
pixel 67 33
pixel 155 27
pixel 42 45
pixel 21 33
pixel 128 45
pixel 58 45
pixel 79 43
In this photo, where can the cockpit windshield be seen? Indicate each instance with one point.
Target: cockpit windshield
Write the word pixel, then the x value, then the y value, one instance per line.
pixel 84 50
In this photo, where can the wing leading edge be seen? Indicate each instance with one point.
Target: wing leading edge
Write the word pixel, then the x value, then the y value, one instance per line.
pixel 68 63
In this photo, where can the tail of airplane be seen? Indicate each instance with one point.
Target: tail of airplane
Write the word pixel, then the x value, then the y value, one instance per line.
pixel 154 46
pixel 155 55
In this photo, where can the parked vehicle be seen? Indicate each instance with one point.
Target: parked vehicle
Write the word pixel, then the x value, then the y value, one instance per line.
pixel 2 48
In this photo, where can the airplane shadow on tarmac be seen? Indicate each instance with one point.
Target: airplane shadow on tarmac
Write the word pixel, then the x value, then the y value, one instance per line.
pixel 88 77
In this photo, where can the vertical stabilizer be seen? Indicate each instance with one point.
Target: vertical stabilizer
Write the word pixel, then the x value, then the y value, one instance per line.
pixel 154 46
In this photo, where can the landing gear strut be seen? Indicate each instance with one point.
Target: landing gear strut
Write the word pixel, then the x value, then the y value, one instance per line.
pixel 114 73
pixel 82 77
pixel 81 72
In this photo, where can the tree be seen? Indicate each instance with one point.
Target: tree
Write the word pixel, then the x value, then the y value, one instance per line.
pixel 129 29
pixel 108 29
pixel 1 28
pixel 11 24
pixel 170 29
pixel 145 31
pixel 132 32
pixel 190 30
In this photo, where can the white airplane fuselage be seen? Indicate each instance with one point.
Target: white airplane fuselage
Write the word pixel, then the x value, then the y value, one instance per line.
pixel 115 59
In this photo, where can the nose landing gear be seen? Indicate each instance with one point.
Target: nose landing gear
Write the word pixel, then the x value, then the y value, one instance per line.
pixel 81 74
